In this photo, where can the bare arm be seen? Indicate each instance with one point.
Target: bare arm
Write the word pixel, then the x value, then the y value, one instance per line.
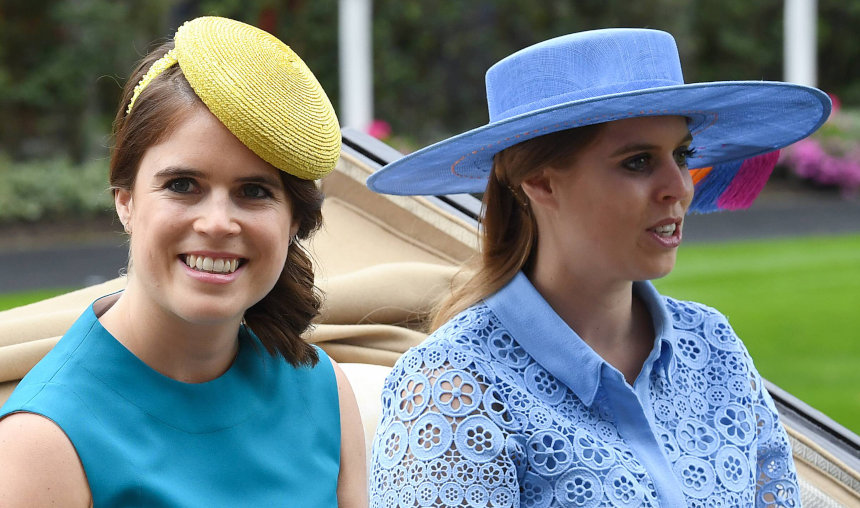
pixel 352 479
pixel 38 465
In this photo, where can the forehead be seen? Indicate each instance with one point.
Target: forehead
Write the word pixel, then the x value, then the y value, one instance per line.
pixel 671 129
pixel 201 142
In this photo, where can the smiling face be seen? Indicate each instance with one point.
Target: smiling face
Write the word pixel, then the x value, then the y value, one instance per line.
pixel 210 224
pixel 617 209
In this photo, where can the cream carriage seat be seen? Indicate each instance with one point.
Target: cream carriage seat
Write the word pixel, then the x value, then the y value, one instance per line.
pixel 383 262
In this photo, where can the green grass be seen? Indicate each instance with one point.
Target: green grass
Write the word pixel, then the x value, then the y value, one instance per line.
pixel 796 305
pixel 10 300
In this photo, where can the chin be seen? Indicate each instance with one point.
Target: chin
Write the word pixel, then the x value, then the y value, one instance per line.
pixel 659 270
pixel 659 275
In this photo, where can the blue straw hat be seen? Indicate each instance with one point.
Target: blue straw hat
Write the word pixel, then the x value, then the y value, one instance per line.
pixel 604 75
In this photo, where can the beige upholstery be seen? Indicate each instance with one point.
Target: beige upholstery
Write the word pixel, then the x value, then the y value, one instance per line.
pixel 365 319
pixel 367 381
pixel 825 481
pixel 382 262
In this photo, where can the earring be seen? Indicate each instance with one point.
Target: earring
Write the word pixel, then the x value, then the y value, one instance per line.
pixel 520 199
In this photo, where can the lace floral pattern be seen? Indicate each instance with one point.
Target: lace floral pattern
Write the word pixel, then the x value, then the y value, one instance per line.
pixel 471 419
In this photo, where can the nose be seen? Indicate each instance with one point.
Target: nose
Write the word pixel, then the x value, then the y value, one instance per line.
pixel 676 184
pixel 217 216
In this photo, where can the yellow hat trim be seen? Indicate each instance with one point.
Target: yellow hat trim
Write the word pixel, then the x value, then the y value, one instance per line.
pixel 260 90
pixel 157 68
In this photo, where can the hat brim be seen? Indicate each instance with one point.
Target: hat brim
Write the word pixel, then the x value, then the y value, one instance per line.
pixel 729 121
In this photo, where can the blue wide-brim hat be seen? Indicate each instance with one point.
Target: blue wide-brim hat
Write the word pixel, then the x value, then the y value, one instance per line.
pixel 604 75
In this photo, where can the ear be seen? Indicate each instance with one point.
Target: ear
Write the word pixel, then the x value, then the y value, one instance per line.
pixel 538 188
pixel 294 228
pixel 124 204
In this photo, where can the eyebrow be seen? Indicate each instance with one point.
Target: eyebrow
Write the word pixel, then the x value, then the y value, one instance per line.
pixel 265 180
pixel 644 147
pixel 176 171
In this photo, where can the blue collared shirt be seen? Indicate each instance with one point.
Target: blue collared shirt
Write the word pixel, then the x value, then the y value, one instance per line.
pixel 505 405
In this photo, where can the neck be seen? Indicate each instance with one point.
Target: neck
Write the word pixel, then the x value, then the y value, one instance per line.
pixel 604 313
pixel 181 350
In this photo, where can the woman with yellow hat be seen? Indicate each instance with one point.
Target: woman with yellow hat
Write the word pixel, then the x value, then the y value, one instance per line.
pixel 558 375
pixel 193 386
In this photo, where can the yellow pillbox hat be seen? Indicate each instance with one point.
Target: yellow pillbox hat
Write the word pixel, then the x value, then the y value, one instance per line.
pixel 260 89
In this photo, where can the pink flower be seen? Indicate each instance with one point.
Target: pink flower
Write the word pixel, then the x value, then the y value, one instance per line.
pixel 808 159
pixel 837 104
pixel 379 129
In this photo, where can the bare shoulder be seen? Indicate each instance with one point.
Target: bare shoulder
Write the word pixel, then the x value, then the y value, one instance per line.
pixel 352 479
pixel 349 414
pixel 39 465
pixel 340 375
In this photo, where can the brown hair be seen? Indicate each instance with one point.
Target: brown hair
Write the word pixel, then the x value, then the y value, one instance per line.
pixel 286 311
pixel 508 229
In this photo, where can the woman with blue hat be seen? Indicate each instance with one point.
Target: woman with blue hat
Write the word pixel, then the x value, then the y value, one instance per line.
pixel 557 375
pixel 193 386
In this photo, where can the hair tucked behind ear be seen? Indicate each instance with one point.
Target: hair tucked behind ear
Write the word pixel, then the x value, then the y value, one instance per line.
pixel 280 318
pixel 508 229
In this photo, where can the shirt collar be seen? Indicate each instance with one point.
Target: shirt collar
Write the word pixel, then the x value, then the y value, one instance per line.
pixel 556 347
pixel 663 326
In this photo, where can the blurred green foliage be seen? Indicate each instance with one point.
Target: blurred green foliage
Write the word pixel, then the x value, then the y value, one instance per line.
pixel 63 62
pixel 52 189
pixel 60 68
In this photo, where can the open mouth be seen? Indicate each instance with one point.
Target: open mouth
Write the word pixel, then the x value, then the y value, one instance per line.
pixel 212 265
pixel 666 231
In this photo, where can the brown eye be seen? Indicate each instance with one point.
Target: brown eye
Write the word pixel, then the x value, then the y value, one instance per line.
pixel 681 156
pixel 180 185
pixel 637 163
pixel 255 191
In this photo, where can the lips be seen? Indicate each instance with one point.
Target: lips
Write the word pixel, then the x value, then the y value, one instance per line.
pixel 212 264
pixel 667 232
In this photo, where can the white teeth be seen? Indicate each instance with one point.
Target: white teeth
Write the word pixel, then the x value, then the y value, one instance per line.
pixel 667 230
pixel 206 264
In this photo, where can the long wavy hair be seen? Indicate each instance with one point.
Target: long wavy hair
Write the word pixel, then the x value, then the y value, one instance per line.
pixel 280 318
pixel 508 229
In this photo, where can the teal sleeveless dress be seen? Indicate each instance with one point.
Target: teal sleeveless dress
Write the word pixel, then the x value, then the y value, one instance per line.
pixel 262 434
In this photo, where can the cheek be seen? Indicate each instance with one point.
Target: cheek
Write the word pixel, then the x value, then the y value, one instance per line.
pixel 272 231
pixel 612 216
pixel 690 189
pixel 155 229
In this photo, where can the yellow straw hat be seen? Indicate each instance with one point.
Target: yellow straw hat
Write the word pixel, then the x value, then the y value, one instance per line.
pixel 258 88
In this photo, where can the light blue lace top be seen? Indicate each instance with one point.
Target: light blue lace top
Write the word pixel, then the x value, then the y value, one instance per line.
pixel 506 406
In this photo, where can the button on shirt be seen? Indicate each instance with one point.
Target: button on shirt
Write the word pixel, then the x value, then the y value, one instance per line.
pixel 505 405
